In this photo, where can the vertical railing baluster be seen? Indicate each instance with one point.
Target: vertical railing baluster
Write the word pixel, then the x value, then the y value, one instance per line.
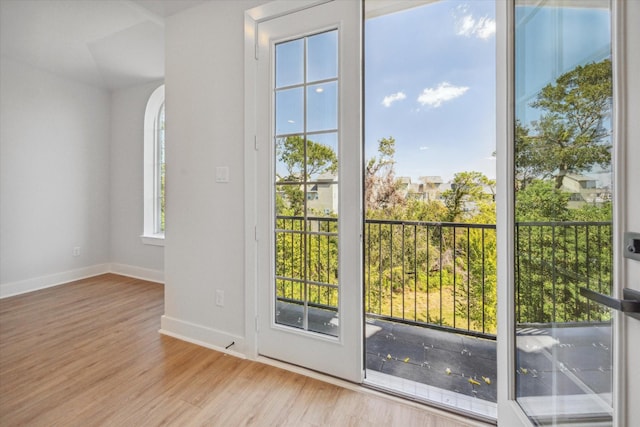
pixel 453 228
pixel 483 282
pixel 402 257
pixel 587 262
pixel 599 240
pixel 518 274
pixel 577 270
pixel 440 271
pixel 427 271
pixel 415 272
pixel 391 268
pixel 380 270
pixel 468 278
pixel 554 276
pixel 566 282
pixel 541 304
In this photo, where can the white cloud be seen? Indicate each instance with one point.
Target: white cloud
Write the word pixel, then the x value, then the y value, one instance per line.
pixel 468 26
pixel 423 148
pixel 485 28
pixel 390 99
pixel 434 97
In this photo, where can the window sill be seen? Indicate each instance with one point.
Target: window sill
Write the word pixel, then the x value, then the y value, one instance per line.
pixel 153 239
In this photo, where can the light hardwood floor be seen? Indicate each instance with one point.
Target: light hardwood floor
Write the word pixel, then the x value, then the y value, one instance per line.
pixel 89 353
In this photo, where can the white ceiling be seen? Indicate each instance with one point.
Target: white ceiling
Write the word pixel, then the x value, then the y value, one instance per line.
pixel 106 43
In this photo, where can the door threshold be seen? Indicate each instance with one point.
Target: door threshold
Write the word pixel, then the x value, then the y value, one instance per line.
pixel 450 401
pixel 374 389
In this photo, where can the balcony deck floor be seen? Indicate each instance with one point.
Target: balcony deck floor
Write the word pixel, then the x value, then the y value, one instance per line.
pixel 569 361
pixel 440 359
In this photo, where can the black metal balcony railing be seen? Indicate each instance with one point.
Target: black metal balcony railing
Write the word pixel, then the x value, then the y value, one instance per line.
pixel 553 261
pixel 443 275
pixel 437 274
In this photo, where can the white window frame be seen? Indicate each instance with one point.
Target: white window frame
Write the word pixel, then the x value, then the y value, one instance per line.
pixel 152 234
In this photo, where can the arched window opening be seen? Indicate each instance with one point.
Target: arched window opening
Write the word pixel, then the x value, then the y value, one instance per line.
pixel 154 169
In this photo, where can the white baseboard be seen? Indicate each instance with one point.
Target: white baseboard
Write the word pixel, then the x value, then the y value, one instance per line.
pixel 43 282
pixel 137 272
pixel 203 336
pixel 29 285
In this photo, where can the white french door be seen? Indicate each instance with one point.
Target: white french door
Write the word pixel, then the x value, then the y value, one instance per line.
pixel 308 187
pixel 570 365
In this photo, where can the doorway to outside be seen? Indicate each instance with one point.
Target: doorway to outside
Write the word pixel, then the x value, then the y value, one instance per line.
pixel 428 243
pixel 430 235
pixel 430 261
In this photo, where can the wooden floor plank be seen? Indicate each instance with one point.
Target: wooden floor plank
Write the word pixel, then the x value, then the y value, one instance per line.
pixel 89 353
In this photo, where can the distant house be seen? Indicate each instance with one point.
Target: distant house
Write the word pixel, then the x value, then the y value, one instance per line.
pixel 431 187
pixel 583 190
pixel 322 195
pixel 408 189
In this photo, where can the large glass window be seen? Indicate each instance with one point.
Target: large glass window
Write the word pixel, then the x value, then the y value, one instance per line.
pixel 159 172
pixel 154 169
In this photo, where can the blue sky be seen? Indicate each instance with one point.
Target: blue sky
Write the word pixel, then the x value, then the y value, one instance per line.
pixel 430 83
pixel 430 79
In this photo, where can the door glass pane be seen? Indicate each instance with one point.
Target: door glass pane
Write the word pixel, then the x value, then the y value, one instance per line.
pixel 290 63
pixel 306 184
pixel 563 95
pixel 289 111
pixel 322 162
pixel 322 56
pixel 322 107
pixel 289 164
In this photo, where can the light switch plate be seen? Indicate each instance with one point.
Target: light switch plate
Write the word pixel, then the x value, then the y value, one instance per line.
pixel 222 174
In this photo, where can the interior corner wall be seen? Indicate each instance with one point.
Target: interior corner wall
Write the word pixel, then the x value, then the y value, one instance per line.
pixel 54 178
pixel 204 252
pixel 128 255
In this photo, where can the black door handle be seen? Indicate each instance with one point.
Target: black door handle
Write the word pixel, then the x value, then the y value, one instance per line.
pixel 630 304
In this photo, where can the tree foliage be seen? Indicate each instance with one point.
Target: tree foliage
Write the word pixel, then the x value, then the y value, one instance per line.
pixel 529 163
pixel 542 201
pixel 571 135
pixel 303 159
pixel 467 189
pixel 298 153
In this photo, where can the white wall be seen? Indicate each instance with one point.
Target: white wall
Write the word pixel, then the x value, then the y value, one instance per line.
pixel 54 178
pixel 204 76
pixel 128 254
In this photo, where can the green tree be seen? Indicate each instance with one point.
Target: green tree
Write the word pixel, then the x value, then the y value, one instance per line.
pixel 296 153
pixel 303 159
pixel 571 135
pixel 593 212
pixel 466 188
pixel 541 201
pixel 529 162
